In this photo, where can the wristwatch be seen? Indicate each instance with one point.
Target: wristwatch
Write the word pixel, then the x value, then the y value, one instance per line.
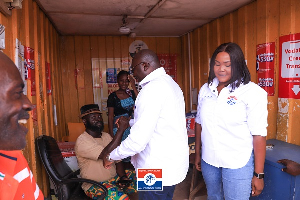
pixel 110 160
pixel 259 176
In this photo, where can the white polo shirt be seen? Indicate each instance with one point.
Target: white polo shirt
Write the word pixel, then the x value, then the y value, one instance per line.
pixel 229 121
pixel 158 138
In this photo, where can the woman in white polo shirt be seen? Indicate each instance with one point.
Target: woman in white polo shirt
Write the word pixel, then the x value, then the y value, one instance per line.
pixel 231 126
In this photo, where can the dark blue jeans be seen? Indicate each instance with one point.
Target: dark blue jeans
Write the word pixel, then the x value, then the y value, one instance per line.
pixel 166 194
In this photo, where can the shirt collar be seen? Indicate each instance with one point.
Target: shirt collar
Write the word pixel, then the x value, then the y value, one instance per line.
pixel 215 83
pixel 156 73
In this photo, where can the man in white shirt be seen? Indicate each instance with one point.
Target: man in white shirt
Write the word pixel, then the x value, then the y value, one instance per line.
pixel 158 137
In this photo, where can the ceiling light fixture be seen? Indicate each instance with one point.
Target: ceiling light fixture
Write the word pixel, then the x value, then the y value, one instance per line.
pixel 124 29
pixel 132 35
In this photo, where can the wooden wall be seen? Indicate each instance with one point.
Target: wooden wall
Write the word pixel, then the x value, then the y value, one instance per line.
pixel 33 29
pixel 76 55
pixel 259 22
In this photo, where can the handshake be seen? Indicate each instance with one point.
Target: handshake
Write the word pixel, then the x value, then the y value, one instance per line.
pixel 122 124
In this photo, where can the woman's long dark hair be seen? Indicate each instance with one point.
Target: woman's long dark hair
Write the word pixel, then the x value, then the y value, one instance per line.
pixel 239 70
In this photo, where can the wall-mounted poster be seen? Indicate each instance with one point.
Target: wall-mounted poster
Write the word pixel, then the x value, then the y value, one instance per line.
pixel 265 66
pixel 169 63
pixel 20 61
pixel 111 75
pixel 289 59
pixel 105 72
pixel 29 67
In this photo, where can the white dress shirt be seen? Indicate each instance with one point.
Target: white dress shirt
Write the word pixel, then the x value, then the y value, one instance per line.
pixel 158 138
pixel 229 121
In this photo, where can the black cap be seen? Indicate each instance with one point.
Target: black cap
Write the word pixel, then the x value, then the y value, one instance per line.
pixel 88 109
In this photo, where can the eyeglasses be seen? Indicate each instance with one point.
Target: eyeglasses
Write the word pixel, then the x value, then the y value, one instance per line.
pixel 137 65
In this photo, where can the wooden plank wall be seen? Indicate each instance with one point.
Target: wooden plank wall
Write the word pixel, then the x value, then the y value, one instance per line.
pixel 76 55
pixel 33 29
pixel 260 22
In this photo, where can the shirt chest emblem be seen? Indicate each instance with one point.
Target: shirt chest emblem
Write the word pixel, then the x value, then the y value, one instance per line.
pixel 2 176
pixel 231 100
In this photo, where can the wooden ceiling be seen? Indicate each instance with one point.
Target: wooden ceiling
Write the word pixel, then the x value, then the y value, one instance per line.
pixel 143 17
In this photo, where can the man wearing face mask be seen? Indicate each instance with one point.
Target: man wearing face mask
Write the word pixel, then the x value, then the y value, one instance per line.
pixel 16 179
pixel 90 148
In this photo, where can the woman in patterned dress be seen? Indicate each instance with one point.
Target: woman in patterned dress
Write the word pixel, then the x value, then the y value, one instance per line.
pixel 121 103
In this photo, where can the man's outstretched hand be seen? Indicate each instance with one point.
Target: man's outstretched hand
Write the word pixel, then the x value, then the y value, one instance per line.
pixel 292 167
pixel 122 123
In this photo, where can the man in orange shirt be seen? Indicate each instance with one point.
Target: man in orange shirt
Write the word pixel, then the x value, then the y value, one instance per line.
pixel 16 179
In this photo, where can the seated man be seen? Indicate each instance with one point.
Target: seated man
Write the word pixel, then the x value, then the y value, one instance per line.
pixel 91 146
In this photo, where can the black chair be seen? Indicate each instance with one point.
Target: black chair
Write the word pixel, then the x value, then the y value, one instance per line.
pixel 66 182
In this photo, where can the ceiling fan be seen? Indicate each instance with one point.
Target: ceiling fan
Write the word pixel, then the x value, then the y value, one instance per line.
pixel 124 29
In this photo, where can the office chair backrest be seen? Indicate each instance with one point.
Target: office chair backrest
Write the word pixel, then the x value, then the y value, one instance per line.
pixel 55 165
pixel 52 158
pixel 66 182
